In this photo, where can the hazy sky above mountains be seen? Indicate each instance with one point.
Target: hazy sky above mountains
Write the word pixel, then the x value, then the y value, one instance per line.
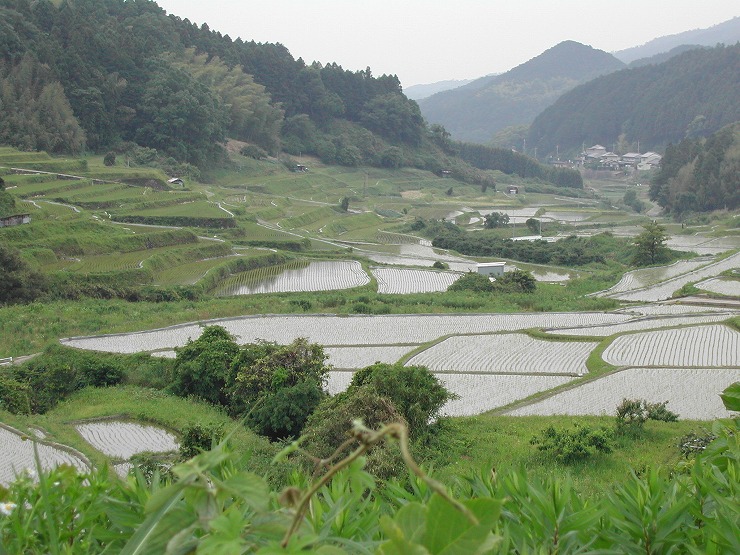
pixel 424 41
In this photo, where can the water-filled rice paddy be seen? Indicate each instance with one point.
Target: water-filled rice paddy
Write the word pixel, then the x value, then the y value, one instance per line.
pixel 691 392
pixel 513 353
pixel 332 330
pixel 296 276
pixel 121 440
pixel 18 456
pixel 483 392
pixel 404 281
pixel 699 346
pixel 727 287
pixel 644 324
pixel 360 357
pixel 638 279
pixel 665 289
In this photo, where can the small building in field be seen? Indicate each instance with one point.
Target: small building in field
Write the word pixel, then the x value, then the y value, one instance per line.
pixel 491 268
pixel 176 181
pixel 17 219
pixel 300 168
pixel 512 190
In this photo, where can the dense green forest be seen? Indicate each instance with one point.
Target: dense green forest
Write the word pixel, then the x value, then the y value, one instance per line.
pixel 478 110
pixel 691 95
pixel 700 175
pixel 510 162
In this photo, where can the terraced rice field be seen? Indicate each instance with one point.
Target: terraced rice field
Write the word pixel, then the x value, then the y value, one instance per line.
pixel 703 245
pixel 330 330
pixel 550 277
pixel 644 324
pixel 359 357
pixel 514 353
pixel 637 279
pixel 665 289
pixel 699 346
pixel 727 287
pixel 670 309
pixel 338 381
pixel 315 276
pixel 121 440
pixel 693 393
pixel 18 456
pixel 478 392
pixel 190 273
pixel 483 392
pixel 405 281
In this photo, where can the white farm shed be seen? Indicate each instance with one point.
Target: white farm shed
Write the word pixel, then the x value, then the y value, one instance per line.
pixel 491 268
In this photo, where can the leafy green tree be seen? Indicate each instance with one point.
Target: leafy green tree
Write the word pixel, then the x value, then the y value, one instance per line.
pixel 496 219
pixel 202 366
pixel 414 391
pixel 518 280
pixel 18 282
pixel 344 204
pixel 650 245
pixel 326 429
pixel 251 115
pixel 283 413
pixel 533 225
pixel 110 158
pixel 631 200
pixel 472 281
pixel 392 157
pixel 180 116
pixel 394 117
pixel 278 386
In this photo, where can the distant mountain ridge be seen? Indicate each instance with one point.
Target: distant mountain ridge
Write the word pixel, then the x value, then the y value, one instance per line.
pixel 690 95
pixel 727 32
pixel 664 56
pixel 476 111
pixel 418 92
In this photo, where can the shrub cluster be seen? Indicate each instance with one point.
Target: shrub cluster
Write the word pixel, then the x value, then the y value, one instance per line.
pixel 274 387
pixel 518 281
pixel 38 385
pixel 569 446
pixel 377 395
pixel 633 413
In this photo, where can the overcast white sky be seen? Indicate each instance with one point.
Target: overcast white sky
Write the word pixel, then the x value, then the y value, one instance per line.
pixel 425 41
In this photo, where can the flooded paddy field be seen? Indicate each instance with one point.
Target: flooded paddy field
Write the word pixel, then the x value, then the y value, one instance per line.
pixel 692 393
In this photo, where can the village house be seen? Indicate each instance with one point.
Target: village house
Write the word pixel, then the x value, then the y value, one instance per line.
pixel 17 219
pixel 491 268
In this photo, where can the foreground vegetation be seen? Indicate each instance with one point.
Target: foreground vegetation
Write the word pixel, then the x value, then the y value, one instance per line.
pixel 215 506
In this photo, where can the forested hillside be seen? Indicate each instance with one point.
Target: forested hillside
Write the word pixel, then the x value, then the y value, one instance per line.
pixel 90 74
pixel 124 76
pixel 698 175
pixel 478 110
pixel 690 95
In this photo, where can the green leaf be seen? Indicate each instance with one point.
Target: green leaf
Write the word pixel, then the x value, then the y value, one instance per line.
pixel 449 532
pixel 731 397
pixel 411 520
pixel 251 488
pixel 163 500
pixel 330 550
pixel 397 543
